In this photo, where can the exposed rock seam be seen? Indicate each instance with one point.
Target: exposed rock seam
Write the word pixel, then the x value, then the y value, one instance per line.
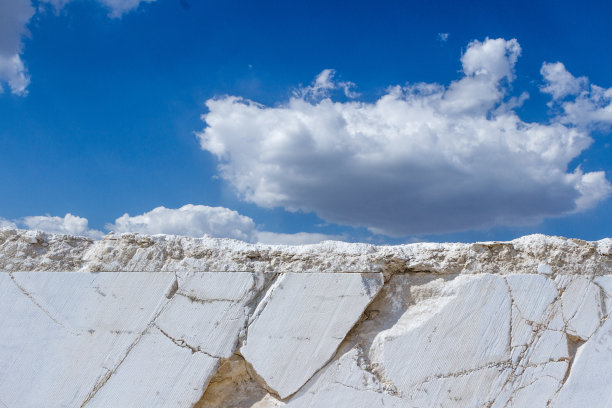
pixel 203 301
pixel 38 305
pixel 335 355
pixel 259 303
pixel 602 299
pixel 573 349
pixel 260 307
pixel 183 344
pixel 110 372
pixel 259 291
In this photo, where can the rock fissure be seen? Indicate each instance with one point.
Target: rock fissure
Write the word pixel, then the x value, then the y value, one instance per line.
pixel 573 344
pixel 602 299
pixel 204 301
pixel 500 365
pixel 234 384
pixel 174 288
pixel 254 307
pixel 38 305
pixel 104 379
pixel 183 344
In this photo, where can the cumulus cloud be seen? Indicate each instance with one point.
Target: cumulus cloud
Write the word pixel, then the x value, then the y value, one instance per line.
pixel 69 224
pixel 443 37
pixel 117 8
pixel 4 223
pixel 14 73
pixel 559 82
pixel 190 220
pixel 199 220
pixel 14 18
pixel 323 85
pixel 423 158
pixel 582 104
pixel 300 238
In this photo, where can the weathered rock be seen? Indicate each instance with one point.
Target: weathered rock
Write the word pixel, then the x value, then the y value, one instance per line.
pixel 219 323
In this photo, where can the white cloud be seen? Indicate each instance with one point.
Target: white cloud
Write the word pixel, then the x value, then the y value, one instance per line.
pixel 117 8
pixel 120 7
pixel 4 223
pixel 14 18
pixel 559 82
pixel 190 220
pixel 581 104
pixel 491 59
pixel 69 224
pixel 300 238
pixel 443 37
pixel 13 72
pixel 198 220
pixel 323 85
pixel 423 158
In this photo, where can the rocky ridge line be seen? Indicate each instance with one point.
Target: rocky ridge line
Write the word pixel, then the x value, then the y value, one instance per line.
pixel 37 251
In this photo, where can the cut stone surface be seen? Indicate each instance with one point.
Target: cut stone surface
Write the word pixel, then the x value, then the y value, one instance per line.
pixel 589 380
pixel 300 322
pixel 162 321
pixel 64 332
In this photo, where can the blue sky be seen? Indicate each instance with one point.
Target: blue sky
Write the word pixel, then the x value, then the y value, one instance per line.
pixel 104 118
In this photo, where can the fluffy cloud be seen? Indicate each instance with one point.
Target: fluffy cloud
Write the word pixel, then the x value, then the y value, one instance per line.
pixel 14 18
pixel 191 220
pixel 423 158
pixel 582 104
pixel 198 220
pixel 300 238
pixel 14 73
pixel 116 7
pixel 120 7
pixel 559 82
pixel 4 223
pixel 69 224
pixel 323 85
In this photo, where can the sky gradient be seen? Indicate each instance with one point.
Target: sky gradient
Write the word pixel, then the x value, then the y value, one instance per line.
pixel 263 120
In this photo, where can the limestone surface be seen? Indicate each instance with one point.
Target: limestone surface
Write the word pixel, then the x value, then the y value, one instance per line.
pixel 165 321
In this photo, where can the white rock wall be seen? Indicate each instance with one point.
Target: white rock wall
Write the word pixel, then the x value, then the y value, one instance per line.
pixel 138 321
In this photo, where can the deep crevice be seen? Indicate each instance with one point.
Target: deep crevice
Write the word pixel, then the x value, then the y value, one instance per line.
pixel 234 385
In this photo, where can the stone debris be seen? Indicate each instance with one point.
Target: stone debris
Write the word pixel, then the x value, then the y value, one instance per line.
pixel 163 321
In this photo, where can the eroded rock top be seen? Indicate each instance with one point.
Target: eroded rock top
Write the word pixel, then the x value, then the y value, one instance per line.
pixel 37 251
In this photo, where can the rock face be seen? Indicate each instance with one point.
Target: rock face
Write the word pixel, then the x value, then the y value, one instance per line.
pixel 163 321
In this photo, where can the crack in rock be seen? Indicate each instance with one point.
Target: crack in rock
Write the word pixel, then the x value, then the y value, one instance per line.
pixel 183 344
pixel 173 289
pixel 234 385
pixel 204 301
pixel 102 381
pixel 38 305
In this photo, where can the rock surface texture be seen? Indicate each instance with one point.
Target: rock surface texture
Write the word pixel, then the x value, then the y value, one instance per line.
pixel 165 321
